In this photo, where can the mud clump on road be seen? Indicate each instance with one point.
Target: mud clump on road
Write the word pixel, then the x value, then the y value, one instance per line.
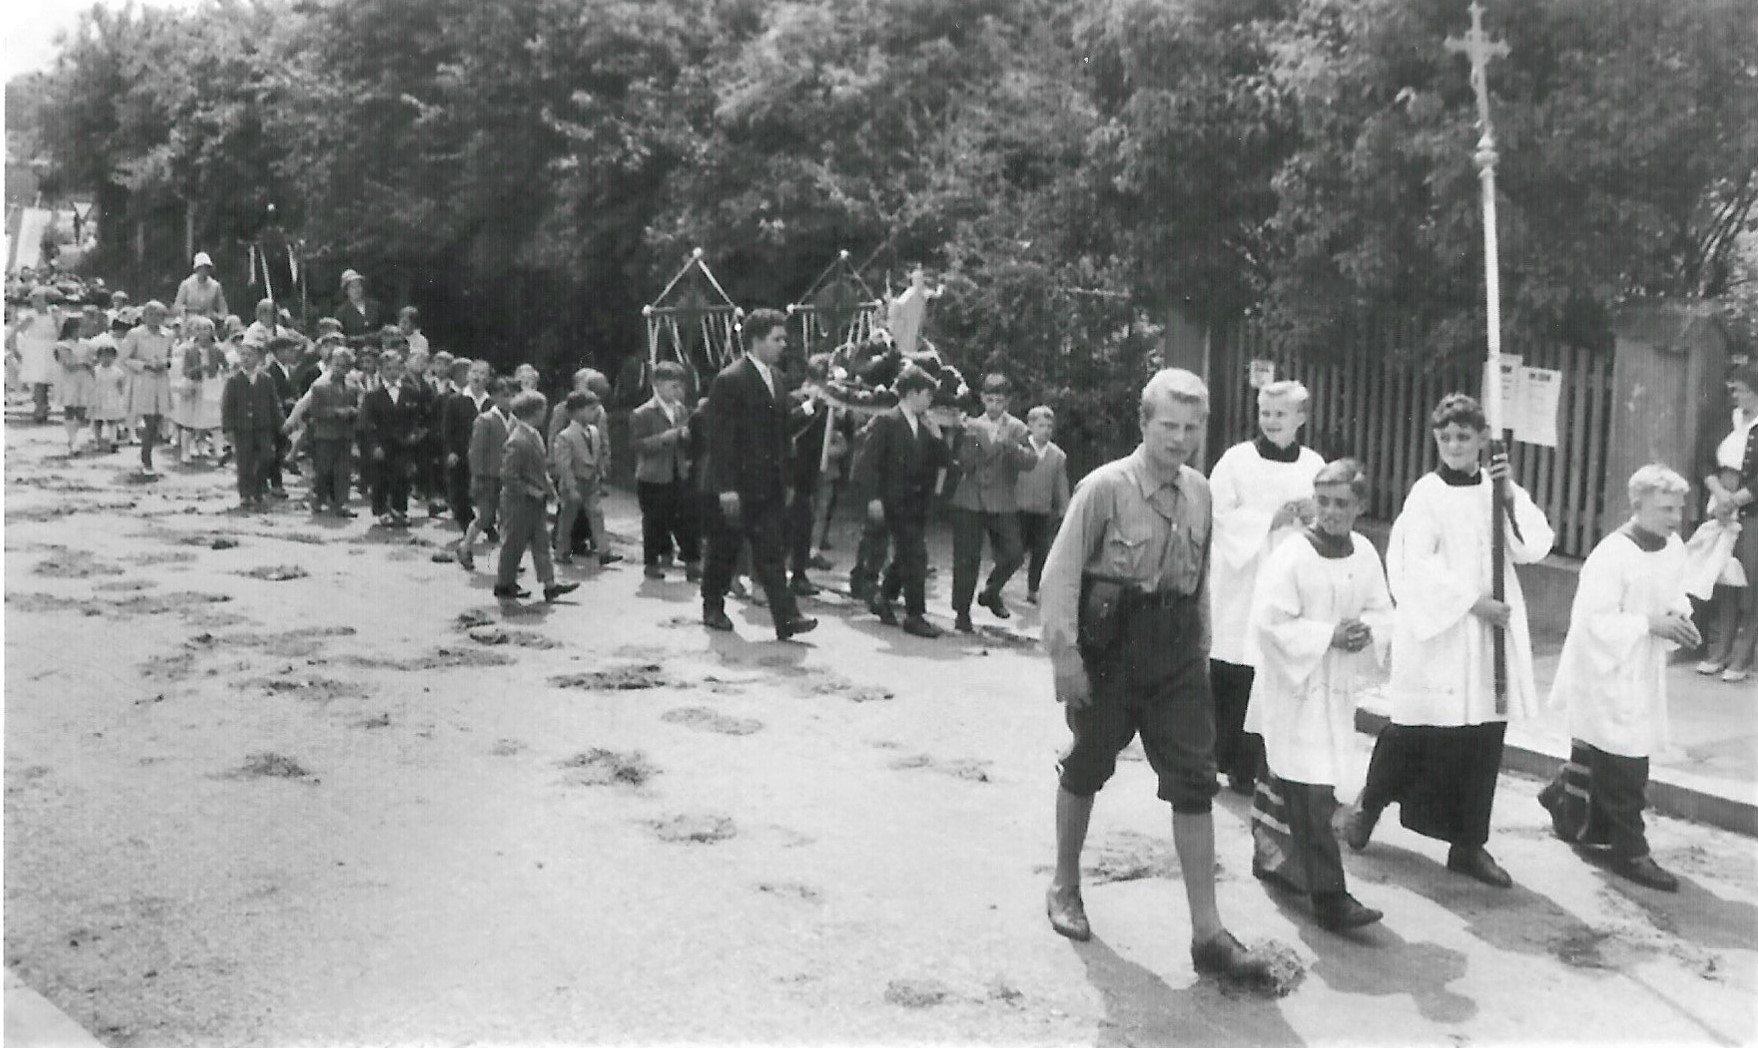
pixel 276 573
pixel 507 748
pixel 622 678
pixel 969 770
pixel 1128 856
pixel 705 719
pixel 494 635
pixel 73 564
pixel 441 659
pixel 916 993
pixel 848 690
pixel 601 767
pixel 695 829
pixel 791 890
pixel 272 765
pixel 1285 976
pixel 469 620
pixel 312 689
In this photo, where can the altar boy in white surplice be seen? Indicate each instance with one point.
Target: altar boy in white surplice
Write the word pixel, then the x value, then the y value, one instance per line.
pixel 1263 495
pixel 1439 757
pixel 1322 616
pixel 1630 613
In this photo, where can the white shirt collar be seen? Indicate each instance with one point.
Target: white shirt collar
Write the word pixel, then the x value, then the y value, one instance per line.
pixel 768 375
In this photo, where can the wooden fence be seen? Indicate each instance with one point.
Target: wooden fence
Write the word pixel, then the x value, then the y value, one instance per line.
pixel 1372 403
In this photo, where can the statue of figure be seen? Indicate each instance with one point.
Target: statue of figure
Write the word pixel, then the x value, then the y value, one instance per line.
pixel 908 310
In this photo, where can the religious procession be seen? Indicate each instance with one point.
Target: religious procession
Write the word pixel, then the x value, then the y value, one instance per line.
pixel 920 523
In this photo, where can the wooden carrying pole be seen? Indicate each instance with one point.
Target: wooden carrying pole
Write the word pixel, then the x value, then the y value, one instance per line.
pixel 1479 48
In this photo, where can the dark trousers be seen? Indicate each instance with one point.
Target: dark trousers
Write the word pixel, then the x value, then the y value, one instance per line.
pixel 39 402
pixel 1597 799
pixel 149 437
pixel 366 468
pixel 869 559
pixel 251 451
pixel 968 528
pixel 271 469
pixel 907 527
pixel 1443 779
pixel 1291 835
pixel 330 462
pixel 763 523
pixel 1238 753
pixel 524 525
pixel 668 521
pixel 1036 531
pixel 390 487
pixel 458 493
pixel 801 515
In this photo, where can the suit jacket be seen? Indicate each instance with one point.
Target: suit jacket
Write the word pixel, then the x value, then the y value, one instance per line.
pixel 398 425
pixel 458 421
pixel 658 460
pixel 249 403
pixel 580 459
pixel 747 430
pixel 334 406
pixel 362 324
pixel 488 438
pixel 307 373
pixel 524 472
pixel 898 467
pixel 282 379
pixel 989 466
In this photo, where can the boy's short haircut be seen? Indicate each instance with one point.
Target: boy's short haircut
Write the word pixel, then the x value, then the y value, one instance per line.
pixel 1291 390
pixel 1042 411
pixel 668 371
pixel 409 313
pixel 1461 409
pixel 1347 472
pixel 328 326
pixel 502 386
pixel 997 382
pixel 913 379
pixel 760 323
pixel 460 369
pixel 581 399
pixel 529 405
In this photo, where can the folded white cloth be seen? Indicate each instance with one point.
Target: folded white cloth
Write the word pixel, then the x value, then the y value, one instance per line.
pixel 1709 559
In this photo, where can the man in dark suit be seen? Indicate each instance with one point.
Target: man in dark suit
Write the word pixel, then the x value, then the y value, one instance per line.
pixel 903 454
pixel 395 415
pixel 280 346
pixel 747 471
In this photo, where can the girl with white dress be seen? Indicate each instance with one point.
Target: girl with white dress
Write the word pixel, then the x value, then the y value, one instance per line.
pixel 1439 758
pixel 73 354
pixel 146 354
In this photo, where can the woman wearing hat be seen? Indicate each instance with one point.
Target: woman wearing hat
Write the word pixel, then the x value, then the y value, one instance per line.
pixel 33 338
pixel 200 295
pixel 361 317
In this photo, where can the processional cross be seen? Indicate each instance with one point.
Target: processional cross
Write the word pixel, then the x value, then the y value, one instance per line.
pixel 1480 49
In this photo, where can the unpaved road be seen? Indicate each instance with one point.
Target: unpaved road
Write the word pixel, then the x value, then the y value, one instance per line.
pixel 314 788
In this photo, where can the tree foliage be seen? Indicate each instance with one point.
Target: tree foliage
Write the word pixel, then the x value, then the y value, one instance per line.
pixel 530 171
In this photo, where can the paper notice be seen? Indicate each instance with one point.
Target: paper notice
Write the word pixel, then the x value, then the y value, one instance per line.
pixel 1510 391
pixel 1540 393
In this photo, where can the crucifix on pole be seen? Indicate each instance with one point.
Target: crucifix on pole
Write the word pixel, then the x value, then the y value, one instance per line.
pixel 1480 49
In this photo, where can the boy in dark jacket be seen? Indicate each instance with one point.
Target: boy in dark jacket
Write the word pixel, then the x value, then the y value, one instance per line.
pixel 250 413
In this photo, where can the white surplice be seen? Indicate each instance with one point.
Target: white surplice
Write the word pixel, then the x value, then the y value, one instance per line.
pixel 1612 677
pixel 1438 562
pixel 1304 693
pixel 1248 490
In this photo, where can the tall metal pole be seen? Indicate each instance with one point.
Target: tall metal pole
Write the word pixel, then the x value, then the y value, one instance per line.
pixel 1479 48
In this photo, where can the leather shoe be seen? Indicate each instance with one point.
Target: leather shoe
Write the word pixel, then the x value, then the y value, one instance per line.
pixel 882 608
pixel 992 600
pixel 606 559
pixel 1554 805
pixel 795 626
pixel 511 592
pixel 1476 863
pixel 714 617
pixel 1225 955
pixel 964 623
pixel 1358 827
pixel 1275 880
pixel 1646 872
pixel 557 589
pixel 1068 915
pixel 916 626
pixel 1340 912
pixel 804 587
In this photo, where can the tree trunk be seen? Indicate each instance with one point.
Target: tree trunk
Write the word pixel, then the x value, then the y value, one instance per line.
pixel 189 229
